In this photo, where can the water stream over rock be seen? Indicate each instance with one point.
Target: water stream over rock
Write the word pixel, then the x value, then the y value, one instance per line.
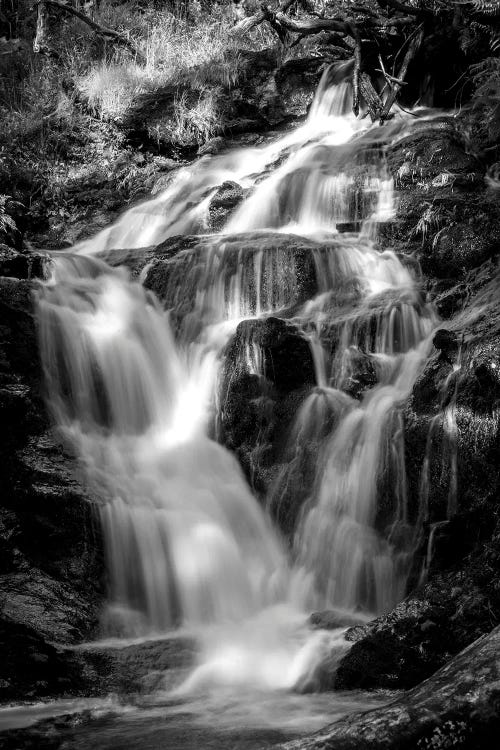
pixel 134 384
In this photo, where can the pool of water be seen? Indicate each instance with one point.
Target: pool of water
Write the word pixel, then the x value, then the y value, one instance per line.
pixel 226 719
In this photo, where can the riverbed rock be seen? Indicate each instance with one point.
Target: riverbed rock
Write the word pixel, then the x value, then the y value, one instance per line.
pixel 296 81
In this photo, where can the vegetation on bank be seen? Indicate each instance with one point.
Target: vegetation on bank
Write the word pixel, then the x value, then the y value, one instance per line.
pixel 77 132
pixel 62 131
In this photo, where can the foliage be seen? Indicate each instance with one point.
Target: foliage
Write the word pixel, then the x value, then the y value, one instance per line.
pixel 7 223
pixel 486 100
pixel 61 145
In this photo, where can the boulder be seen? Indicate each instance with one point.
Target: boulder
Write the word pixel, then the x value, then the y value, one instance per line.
pixel 428 152
pixel 461 248
pixel 228 196
pixel 267 373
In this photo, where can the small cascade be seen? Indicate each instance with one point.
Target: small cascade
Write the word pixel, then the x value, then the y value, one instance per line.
pixel 134 388
pixel 185 540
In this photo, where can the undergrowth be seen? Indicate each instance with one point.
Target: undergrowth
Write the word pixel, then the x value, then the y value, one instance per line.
pixel 62 119
pixel 176 52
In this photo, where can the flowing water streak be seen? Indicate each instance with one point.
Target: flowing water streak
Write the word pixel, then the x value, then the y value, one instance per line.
pixel 185 540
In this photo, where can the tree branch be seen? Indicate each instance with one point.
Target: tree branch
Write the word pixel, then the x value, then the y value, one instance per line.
pixel 413 47
pixel 114 36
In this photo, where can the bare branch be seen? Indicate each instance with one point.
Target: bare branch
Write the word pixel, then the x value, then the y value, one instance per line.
pixel 356 69
pixel 413 47
pixel 114 36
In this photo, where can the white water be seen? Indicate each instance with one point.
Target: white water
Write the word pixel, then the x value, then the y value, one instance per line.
pixel 186 541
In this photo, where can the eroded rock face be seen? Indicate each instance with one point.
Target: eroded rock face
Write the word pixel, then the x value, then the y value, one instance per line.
pixel 51 560
pixel 268 372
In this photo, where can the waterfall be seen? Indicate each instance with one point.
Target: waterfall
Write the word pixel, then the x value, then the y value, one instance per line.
pixel 185 539
pixel 186 542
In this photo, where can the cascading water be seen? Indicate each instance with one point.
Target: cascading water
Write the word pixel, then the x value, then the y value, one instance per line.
pixel 186 541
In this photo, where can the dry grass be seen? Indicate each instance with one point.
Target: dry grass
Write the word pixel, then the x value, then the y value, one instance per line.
pixel 202 56
pixel 47 136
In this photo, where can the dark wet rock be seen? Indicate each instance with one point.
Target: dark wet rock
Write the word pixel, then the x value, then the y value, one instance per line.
pixel 446 218
pixel 51 555
pixel 23 265
pixel 268 371
pixel 446 341
pixel 459 706
pixel 429 152
pixel 348 226
pixel 296 81
pixel 285 358
pixel 49 734
pixel 394 651
pixel 461 248
pixel 129 669
pixel 31 666
pixel 228 196
pixel 362 374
